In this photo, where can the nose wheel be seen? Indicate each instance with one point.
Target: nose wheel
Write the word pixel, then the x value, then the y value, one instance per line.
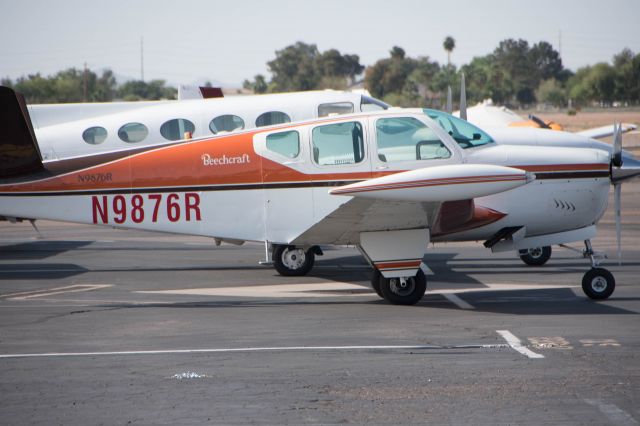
pixel 598 283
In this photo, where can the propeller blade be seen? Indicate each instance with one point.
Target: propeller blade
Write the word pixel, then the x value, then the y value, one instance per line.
pixel 449 107
pixel 617 205
pixel 616 158
pixel 463 98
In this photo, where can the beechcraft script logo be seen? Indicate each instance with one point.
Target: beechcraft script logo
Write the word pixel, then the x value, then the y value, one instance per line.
pixel 224 160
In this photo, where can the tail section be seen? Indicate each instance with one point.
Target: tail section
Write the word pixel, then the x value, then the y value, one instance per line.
pixel 19 152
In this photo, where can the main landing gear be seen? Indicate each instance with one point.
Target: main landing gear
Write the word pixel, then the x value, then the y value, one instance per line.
pixel 399 290
pixel 292 261
pixel 536 256
pixel 598 283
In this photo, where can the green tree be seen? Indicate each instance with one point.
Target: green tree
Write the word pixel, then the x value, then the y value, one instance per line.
pixel 401 80
pixel 136 90
pixel 512 56
pixel 302 67
pixel 258 85
pixel 627 82
pixel 294 68
pixel 551 92
pixel 546 61
pixel 449 44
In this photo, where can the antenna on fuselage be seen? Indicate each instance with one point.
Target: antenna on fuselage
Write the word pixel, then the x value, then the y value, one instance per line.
pixel 463 98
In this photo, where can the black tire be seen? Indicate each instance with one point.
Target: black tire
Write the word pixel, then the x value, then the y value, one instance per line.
pixel 407 292
pixel 290 261
pixel 536 256
pixel 598 283
pixel 375 282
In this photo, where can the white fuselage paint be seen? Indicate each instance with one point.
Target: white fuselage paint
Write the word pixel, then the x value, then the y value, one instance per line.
pixel 283 214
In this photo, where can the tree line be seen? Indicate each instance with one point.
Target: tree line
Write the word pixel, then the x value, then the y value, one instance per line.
pixel 516 74
pixel 74 85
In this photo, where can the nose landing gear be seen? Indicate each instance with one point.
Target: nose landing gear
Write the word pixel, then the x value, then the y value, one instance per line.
pixel 597 283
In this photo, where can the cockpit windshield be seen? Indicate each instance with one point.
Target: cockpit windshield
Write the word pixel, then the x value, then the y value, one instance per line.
pixel 466 134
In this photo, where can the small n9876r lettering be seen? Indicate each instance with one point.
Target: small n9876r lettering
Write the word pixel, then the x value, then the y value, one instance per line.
pixel 95 178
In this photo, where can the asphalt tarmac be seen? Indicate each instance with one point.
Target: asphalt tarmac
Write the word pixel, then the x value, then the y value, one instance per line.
pixel 104 326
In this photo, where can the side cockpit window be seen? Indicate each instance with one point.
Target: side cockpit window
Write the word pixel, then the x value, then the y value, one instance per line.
pixel 335 108
pixel 284 143
pixel 408 139
pixel 339 143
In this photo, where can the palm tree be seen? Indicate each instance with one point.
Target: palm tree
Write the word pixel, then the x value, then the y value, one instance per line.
pixel 449 44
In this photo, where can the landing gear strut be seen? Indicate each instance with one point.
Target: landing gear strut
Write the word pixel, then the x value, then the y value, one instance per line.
pixel 597 283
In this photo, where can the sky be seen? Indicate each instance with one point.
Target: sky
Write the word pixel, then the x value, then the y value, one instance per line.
pixel 191 41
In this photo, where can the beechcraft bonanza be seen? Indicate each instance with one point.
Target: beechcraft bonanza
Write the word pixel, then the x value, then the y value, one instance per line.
pixel 388 182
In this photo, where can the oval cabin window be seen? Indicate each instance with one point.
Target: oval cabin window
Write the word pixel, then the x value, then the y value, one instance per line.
pixel 133 132
pixel 226 123
pixel 95 135
pixel 271 118
pixel 177 129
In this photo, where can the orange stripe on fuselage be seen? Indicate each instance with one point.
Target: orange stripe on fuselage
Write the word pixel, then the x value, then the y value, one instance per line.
pixel 182 165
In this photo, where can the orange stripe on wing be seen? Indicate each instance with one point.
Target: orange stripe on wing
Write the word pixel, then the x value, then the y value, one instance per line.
pixel 398 264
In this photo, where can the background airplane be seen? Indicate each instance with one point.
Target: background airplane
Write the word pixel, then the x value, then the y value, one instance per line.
pixel 72 130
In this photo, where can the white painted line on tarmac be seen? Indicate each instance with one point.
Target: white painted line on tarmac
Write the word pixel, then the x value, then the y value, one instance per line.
pixel 451 297
pixel 617 415
pixel 51 291
pixel 333 289
pixel 281 290
pixel 516 345
pixel 254 349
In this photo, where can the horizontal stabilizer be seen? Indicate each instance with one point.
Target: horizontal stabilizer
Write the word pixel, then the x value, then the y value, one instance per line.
pixel 440 183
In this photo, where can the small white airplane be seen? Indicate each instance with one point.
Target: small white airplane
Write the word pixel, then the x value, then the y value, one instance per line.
pixel 489 116
pixel 388 182
pixel 66 131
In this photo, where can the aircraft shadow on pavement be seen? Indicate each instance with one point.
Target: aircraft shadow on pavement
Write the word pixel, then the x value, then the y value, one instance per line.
pixel 36 250
pixel 561 301
pixel 39 271
pixel 517 302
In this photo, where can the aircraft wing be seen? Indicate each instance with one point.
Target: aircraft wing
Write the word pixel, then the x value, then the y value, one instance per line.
pixel 606 131
pixel 439 198
pixel 343 225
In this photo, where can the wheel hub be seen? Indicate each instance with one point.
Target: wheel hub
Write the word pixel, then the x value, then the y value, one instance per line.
pixel 402 286
pixel 535 252
pixel 293 258
pixel 599 284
